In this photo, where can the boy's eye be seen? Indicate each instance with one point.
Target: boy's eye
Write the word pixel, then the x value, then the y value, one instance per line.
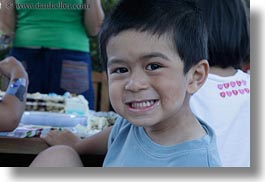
pixel 120 70
pixel 153 67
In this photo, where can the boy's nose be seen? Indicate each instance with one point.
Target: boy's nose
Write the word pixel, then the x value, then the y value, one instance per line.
pixel 136 83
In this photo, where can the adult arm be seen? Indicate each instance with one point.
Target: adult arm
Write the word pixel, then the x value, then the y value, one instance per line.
pixel 7 17
pixel 12 106
pixel 93 16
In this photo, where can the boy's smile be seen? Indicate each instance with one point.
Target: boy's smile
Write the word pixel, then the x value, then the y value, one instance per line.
pixel 147 85
pixel 141 106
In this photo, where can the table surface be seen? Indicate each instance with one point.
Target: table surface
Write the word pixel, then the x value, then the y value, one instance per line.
pixel 11 145
pixel 19 152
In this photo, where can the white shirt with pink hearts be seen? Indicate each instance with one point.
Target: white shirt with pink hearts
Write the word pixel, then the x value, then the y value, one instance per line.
pixel 224 103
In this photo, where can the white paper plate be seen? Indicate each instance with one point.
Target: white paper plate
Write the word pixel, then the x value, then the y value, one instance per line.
pixel 52 119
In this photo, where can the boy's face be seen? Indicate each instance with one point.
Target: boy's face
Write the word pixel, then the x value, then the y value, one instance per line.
pixel 147 85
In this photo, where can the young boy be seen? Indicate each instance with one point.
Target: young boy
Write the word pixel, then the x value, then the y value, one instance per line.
pixel 155 54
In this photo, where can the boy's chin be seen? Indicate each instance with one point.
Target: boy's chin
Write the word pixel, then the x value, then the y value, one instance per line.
pixel 143 122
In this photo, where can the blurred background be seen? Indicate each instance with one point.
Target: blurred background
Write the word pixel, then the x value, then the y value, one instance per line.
pixel 107 6
pixel 99 79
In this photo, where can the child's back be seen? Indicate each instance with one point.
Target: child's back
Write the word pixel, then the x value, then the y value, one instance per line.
pixel 224 100
pixel 224 103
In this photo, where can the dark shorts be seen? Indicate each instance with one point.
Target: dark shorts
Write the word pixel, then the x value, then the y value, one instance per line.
pixel 57 71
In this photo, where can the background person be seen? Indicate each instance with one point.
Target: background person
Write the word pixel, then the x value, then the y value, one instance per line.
pixel 53 44
pixel 224 100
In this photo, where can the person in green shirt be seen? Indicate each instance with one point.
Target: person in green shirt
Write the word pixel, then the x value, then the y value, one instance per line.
pixel 51 39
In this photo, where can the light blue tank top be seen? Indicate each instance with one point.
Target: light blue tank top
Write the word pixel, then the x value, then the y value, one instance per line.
pixel 130 146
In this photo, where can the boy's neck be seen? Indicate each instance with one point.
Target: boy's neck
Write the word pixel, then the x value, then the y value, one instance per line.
pixel 224 72
pixel 179 132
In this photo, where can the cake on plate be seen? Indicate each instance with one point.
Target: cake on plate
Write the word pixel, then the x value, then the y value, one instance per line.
pixel 67 103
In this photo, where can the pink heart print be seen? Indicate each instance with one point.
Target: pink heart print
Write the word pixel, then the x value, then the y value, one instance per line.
pixel 233 84
pixel 235 92
pixel 242 91
pixel 220 86
pixel 229 93
pixel 247 90
pixel 222 94
pixel 226 85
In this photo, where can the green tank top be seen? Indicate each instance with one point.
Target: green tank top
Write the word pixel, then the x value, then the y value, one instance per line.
pixel 51 24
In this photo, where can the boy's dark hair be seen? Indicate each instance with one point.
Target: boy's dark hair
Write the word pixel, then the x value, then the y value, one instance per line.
pixel 181 20
pixel 227 22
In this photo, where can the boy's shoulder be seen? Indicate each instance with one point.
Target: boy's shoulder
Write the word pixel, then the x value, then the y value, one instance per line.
pixel 120 121
pixel 120 124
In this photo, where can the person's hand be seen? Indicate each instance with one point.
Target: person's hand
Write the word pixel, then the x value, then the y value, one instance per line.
pixel 65 137
pixel 12 68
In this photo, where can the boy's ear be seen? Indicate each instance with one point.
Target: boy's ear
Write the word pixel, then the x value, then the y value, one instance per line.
pixel 197 76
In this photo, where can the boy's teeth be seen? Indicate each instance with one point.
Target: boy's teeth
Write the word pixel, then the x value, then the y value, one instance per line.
pixel 142 104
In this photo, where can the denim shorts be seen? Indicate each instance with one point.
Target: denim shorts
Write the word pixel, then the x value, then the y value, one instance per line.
pixel 57 71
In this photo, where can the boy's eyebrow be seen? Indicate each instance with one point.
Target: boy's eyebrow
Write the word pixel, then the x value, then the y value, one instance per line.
pixel 114 61
pixel 144 56
pixel 153 55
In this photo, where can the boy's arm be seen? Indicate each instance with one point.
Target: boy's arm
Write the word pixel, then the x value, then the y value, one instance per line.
pixel 96 144
pixel 93 16
pixel 13 103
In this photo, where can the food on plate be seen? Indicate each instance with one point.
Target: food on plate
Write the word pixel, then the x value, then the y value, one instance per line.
pixel 45 112
pixel 67 103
